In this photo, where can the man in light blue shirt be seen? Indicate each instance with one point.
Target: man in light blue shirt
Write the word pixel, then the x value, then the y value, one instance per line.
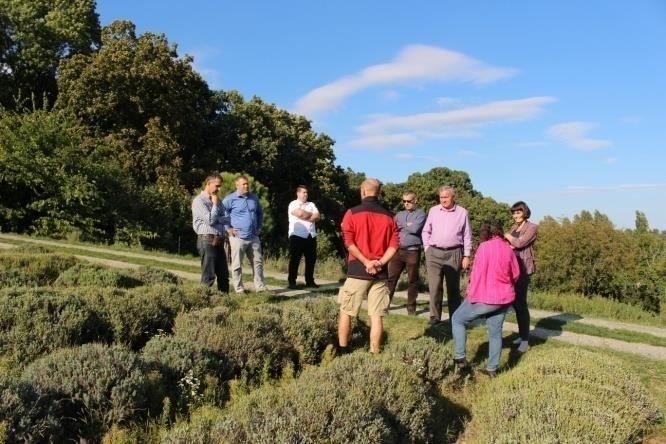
pixel 243 223
pixel 208 223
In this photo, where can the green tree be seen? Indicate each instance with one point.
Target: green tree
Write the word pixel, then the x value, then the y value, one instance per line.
pixel 35 35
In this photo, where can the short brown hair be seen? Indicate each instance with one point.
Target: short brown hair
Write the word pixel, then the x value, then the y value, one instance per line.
pixel 301 187
pixel 491 228
pixel 211 177
pixel 521 206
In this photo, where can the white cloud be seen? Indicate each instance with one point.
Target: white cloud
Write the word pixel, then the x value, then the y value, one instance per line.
pixel 385 140
pixel 446 101
pixel 414 63
pixel 202 56
pixel 409 156
pixel 459 123
pixel 390 95
pixel 574 134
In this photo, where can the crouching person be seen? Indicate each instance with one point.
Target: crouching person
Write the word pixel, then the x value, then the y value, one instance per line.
pixel 371 237
pixel 489 295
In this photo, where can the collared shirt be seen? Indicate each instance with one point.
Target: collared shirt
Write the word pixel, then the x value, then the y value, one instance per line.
pixel 297 226
pixel 206 217
pixel 410 235
pixel 372 229
pixel 244 213
pixel 494 273
pixel 448 228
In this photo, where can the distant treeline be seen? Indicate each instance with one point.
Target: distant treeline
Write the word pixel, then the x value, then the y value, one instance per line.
pixel 105 135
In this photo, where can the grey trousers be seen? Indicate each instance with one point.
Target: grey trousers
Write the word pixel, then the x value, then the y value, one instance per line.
pixel 251 248
pixel 443 267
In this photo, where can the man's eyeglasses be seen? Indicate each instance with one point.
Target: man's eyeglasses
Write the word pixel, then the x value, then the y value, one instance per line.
pixel 407 201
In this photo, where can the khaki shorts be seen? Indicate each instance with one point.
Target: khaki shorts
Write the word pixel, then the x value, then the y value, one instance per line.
pixel 353 291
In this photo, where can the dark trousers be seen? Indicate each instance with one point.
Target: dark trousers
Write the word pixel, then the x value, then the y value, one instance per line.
pixel 213 264
pixel 444 266
pixel 299 247
pixel 520 305
pixel 402 259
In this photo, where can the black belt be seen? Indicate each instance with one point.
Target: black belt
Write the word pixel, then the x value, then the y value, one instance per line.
pixel 208 236
pixel 447 248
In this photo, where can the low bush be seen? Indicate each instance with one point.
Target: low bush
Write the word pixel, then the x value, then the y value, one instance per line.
pixel 32 270
pixel 192 373
pixel 251 339
pixel 29 415
pixel 357 398
pixel 101 385
pixel 35 321
pixel 152 276
pixel 90 275
pixel 565 395
pixel 429 359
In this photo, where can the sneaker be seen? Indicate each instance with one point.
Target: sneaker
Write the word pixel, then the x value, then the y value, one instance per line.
pixel 434 321
pixel 241 291
pixel 523 347
pixel 489 373
pixel 517 341
pixel 460 362
pixel 311 285
pixel 292 286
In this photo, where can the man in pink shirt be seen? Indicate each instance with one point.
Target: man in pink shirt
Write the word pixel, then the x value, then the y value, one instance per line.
pixel 447 241
pixel 489 294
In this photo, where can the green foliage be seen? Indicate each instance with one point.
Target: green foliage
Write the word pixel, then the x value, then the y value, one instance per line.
pixel 35 35
pixel 253 341
pixel 32 270
pixel 103 385
pixel 568 396
pixel 34 322
pixel 192 372
pixel 589 256
pixel 152 276
pixel 355 399
pixel 428 358
pixel 85 275
pixel 30 415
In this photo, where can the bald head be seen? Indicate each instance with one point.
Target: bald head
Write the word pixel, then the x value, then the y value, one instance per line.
pixel 370 187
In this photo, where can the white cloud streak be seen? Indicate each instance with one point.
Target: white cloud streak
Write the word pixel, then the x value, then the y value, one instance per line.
pixel 381 131
pixel 414 63
pixel 574 135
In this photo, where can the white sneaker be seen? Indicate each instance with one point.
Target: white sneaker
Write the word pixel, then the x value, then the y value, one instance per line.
pixel 523 347
pixel 517 341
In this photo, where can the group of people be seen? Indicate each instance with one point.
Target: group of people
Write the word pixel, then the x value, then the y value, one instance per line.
pixel 380 247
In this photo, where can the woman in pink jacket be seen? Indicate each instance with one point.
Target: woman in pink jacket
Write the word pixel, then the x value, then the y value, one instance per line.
pixel 489 294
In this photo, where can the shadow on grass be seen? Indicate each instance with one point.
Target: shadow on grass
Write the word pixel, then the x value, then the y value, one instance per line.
pixel 556 322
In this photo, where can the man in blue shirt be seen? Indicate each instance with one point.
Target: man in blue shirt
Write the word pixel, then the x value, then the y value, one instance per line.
pixel 208 223
pixel 410 223
pixel 244 219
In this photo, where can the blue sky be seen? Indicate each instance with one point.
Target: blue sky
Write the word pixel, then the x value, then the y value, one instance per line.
pixel 561 104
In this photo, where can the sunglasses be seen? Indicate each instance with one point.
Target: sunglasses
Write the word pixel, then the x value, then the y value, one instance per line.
pixel 407 201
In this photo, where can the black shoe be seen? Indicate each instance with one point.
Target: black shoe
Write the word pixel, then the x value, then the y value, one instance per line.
pixel 311 285
pixel 341 351
pixel 488 373
pixel 460 362
pixel 292 286
pixel 434 321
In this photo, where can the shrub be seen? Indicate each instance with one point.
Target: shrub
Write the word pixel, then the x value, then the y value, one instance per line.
pixel 252 340
pixel 192 372
pixel 201 325
pixel 37 321
pixel 152 276
pixel 30 415
pixel 83 275
pixel 104 385
pixel 355 399
pixel 429 359
pixel 32 270
pixel 565 395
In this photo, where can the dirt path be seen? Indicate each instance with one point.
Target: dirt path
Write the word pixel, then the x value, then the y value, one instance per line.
pixel 646 350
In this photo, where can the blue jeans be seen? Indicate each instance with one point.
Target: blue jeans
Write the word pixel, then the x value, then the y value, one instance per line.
pixel 494 314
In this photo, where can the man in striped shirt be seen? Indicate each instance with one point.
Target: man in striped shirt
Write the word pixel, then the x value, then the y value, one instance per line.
pixel 208 222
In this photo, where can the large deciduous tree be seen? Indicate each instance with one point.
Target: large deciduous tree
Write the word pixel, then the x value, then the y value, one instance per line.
pixel 35 36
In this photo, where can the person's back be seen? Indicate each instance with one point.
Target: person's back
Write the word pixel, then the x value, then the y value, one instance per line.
pixel 494 272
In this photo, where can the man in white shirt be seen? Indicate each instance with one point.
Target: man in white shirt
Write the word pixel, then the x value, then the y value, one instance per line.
pixel 302 237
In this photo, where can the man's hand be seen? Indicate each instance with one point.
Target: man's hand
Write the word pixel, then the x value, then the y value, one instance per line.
pixel 214 199
pixel 465 263
pixel 232 232
pixel 373 267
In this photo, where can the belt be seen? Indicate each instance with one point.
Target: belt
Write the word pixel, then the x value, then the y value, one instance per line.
pixel 208 236
pixel 455 247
